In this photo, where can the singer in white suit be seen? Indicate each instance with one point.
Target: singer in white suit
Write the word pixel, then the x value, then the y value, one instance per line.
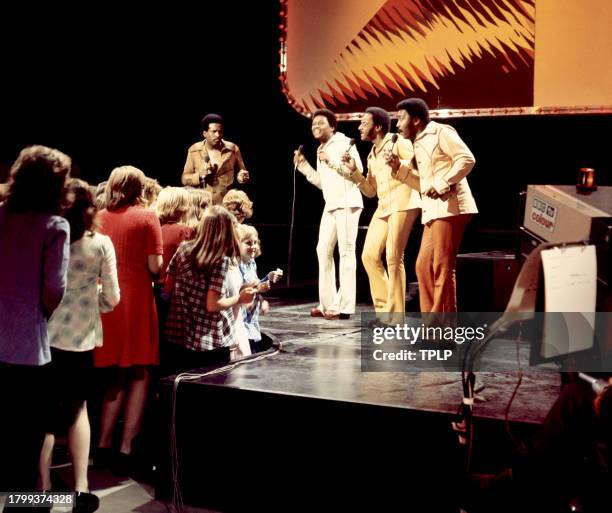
pixel 340 219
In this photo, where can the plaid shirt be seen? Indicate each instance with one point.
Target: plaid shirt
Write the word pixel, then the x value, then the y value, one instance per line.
pixel 188 322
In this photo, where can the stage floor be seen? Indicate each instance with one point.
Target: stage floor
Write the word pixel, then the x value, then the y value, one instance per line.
pixel 307 413
pixel 321 359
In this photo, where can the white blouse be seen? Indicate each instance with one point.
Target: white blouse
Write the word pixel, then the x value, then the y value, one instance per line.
pixel 233 282
pixel 92 288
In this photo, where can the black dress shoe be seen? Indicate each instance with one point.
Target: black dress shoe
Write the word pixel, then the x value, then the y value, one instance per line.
pixel 85 502
pixel 344 316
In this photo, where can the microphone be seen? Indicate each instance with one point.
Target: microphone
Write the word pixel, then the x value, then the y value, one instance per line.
pixel 203 180
pixel 393 141
pixel 207 160
pixel 394 138
pixel 300 151
pixel 599 385
pixel 210 178
pixel 351 144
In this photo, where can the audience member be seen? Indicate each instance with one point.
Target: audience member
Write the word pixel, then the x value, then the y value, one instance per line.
pixel 75 328
pixel 131 343
pixel 35 244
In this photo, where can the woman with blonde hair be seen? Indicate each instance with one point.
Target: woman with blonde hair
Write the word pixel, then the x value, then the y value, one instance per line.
pixel 201 199
pixel 239 204
pixel 201 322
pixel 173 204
pixel 131 337
pixel 151 192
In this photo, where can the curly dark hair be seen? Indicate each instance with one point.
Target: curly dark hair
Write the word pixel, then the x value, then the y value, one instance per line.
pixel 416 107
pixel 211 118
pixel 331 117
pixel 380 117
pixel 37 180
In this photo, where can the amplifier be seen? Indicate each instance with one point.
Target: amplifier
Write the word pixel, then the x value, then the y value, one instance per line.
pixel 485 280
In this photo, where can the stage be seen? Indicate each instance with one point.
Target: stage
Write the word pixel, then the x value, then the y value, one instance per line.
pixel 303 414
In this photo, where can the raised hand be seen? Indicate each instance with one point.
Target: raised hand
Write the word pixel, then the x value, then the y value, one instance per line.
pixel 298 158
pixel 276 275
pixel 349 162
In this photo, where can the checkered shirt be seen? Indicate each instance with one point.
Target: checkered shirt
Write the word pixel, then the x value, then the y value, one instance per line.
pixel 188 322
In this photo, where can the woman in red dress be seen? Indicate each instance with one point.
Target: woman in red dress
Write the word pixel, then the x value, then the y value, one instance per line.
pixel 130 331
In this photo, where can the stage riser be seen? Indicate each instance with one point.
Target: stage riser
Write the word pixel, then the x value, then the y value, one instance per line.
pixel 243 450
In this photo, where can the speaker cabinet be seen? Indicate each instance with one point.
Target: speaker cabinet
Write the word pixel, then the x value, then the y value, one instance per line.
pixel 485 280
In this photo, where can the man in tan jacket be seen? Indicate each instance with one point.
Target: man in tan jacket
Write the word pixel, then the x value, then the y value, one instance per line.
pixel 212 163
pixel 443 161
pixel 399 205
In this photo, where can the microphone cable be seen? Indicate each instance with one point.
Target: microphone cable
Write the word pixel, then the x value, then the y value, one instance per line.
pixel 292 222
pixel 347 211
pixel 391 233
pixel 177 496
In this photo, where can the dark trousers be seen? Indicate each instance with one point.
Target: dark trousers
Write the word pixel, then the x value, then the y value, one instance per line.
pixel 22 428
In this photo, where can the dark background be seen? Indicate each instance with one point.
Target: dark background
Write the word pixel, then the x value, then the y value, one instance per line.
pixel 113 86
